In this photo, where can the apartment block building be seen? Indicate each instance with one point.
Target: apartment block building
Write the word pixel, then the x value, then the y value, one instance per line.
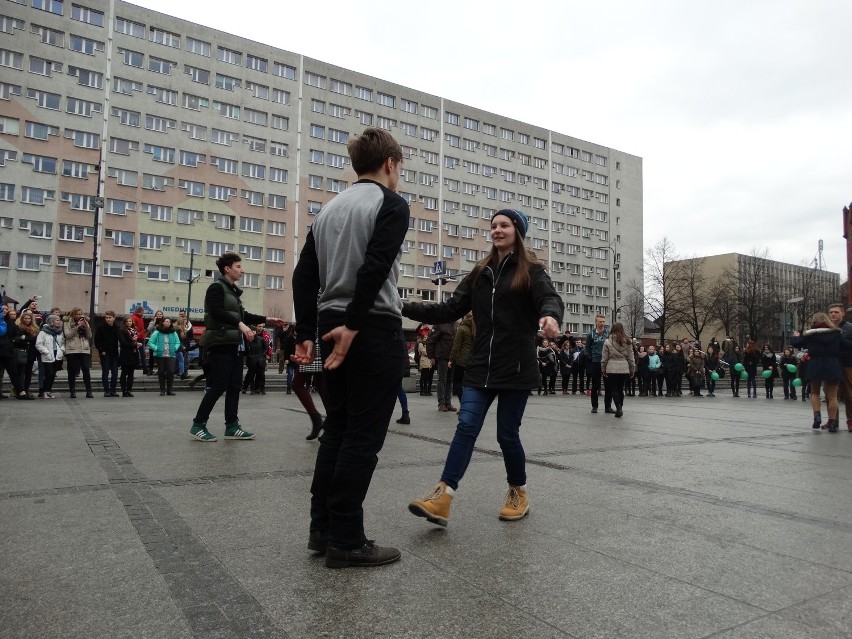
pixel 153 144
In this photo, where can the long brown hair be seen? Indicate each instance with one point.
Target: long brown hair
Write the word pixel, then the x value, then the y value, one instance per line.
pixel 526 261
pixel 618 335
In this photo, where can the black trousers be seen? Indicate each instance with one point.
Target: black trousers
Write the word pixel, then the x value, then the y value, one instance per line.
pixel 458 379
pixel 594 373
pixel 224 368
pixel 77 362
pixel 576 372
pixel 615 383
pixel 361 398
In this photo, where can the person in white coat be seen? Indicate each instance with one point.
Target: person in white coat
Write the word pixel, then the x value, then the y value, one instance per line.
pixel 50 345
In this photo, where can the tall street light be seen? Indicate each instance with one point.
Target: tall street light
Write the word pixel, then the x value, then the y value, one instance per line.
pixel 792 300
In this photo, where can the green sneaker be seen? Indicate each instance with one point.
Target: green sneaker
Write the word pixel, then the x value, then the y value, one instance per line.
pixel 199 432
pixel 233 431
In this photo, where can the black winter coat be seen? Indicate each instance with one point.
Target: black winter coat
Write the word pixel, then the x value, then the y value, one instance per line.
pixel 824 351
pixel 503 355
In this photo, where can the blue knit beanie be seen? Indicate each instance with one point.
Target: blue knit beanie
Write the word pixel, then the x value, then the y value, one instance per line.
pixel 522 224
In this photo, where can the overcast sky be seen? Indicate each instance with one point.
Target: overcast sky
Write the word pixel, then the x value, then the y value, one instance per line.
pixel 741 111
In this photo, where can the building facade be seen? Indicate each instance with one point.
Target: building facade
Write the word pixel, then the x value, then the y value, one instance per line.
pixel 153 144
pixel 747 297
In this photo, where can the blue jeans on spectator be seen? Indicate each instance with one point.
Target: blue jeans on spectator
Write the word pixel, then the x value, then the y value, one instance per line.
pixel 180 362
pixel 475 403
pixel 109 373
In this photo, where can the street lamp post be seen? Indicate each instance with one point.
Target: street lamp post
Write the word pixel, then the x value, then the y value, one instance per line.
pixel 792 300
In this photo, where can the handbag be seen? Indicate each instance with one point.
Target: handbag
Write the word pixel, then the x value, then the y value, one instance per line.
pixel 22 356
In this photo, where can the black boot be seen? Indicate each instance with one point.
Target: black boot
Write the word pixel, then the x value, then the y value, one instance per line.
pixel 817 420
pixel 405 419
pixel 316 420
pixel 833 425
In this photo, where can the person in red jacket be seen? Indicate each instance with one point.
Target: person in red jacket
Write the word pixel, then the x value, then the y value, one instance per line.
pixel 139 323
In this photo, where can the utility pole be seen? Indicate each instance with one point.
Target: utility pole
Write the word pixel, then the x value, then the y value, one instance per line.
pixel 189 289
pixel 847 235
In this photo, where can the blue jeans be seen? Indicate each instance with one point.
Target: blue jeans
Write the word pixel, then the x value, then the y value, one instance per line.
pixel 180 362
pixel 473 407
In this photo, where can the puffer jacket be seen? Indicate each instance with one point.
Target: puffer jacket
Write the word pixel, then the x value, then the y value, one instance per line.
pixel 462 342
pixel 77 342
pixel 617 359
pixel 50 347
pixel 503 355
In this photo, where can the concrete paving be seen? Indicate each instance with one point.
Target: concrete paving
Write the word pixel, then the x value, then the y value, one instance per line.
pixel 712 517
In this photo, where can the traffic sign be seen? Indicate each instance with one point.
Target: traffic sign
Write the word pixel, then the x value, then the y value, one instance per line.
pixel 438 268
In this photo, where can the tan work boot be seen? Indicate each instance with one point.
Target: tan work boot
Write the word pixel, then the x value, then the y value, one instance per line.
pixel 435 506
pixel 516 506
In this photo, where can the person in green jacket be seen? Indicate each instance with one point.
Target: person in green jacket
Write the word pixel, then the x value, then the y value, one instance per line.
pixel 462 343
pixel 164 344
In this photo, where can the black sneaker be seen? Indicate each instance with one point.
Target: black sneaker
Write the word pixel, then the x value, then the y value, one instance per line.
pixel 609 411
pixel 366 556
pixel 594 410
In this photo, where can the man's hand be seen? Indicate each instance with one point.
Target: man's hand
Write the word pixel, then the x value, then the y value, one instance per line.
pixel 277 322
pixel 342 338
pixel 304 352
pixel 246 331
pixel 548 326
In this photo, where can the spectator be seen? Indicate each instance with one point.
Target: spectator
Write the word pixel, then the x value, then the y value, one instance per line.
pixel 439 344
pixel 768 362
pixel 128 354
pixel 642 370
pixel 617 364
pixel 78 351
pixel 106 341
pixel 594 351
pixel 711 365
pixel 732 358
pixel 547 368
pixel 787 377
pixel 50 344
pixel 139 322
pixel 164 344
pixel 424 363
pixel 462 342
pixel 751 359
pixel 257 352
pixel 28 331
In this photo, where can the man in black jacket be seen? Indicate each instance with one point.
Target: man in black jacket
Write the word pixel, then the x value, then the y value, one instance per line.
pixel 439 345
pixel 106 341
pixel 351 255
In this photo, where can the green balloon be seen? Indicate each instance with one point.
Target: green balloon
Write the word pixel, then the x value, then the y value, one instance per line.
pixel 743 375
pixel 797 382
pixel 766 374
pixel 739 367
pixel 791 368
pixel 714 376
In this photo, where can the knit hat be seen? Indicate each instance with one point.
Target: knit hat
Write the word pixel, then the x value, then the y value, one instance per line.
pixel 51 318
pixel 522 224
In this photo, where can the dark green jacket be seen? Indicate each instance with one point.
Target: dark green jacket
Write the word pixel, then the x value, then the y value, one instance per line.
pixel 223 312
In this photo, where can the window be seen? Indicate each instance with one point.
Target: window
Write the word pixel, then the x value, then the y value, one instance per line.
pixel 189 158
pixel 277 201
pixel 280 96
pixel 156 123
pixel 385 99
pixel 338 86
pixel 254 198
pixel 188 245
pixel 158 65
pixel 160 153
pixel 229 56
pixel 85 108
pixel 155 272
pixel 336 161
pixel 257 64
pixel 217 248
pixel 52 6
pixel 44 99
pixel 363 93
pixel 255 117
pixel 227 110
pixel 84 139
pixel 277 175
pixel 196 131
pixel 219 136
pixel 470 123
pixel 39 131
pixel 117 269
pixel 49 36
pixel 257 171
pixel 74 169
pixel 453 140
pixel 315 80
pixel 313 207
pixel 127 117
pixel 132 58
pixel 119 207
pixel 339 111
pixel 276 228
pixel 40 163
pixel 128 27
pixel 72 233
pixel 189 216
pixel 85 45
pixel 123 177
pixel 89 16
pixel 259 91
pixel 451 118
pixel 223 193
pixel 127 87
pixel 250 280
pixel 275 282
pixel 408 106
pixel 336 186
pixel 39 230
pixel 156 182
pixel 227 82
pixel 44 67
pixel 162 95
pixel 284 71
pixel 194 102
pixel 314 181
pixel 192 188
pixel 157 213
pixel 255 144
pixel 31 261
pixel 153 242
pixel 335 135
pixel 275 255
pixel 120 238
pixel 87 78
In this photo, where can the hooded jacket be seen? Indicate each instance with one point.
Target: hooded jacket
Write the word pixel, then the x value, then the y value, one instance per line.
pixel 503 355
pixel 825 346
pixel 617 359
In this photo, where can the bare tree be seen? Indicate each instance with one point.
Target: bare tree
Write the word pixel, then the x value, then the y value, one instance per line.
pixel 757 297
pixel 725 309
pixel 694 306
pixel 662 287
pixel 633 310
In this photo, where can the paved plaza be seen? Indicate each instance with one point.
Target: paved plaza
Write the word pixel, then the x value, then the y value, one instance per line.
pixel 712 517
